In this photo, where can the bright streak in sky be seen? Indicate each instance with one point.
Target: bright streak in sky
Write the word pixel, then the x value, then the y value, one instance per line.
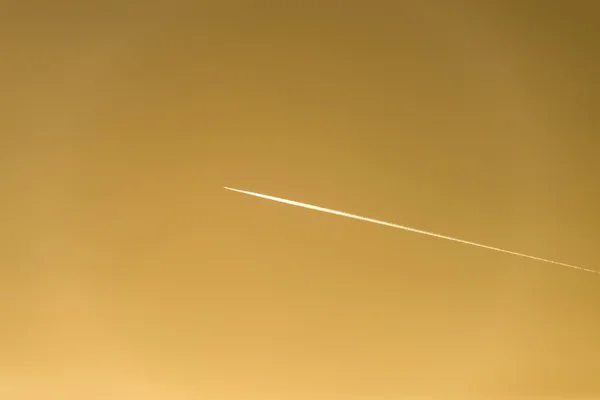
pixel 406 228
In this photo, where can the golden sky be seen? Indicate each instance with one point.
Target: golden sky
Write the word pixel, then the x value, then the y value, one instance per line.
pixel 128 272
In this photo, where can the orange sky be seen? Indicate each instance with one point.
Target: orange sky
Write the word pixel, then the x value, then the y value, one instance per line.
pixel 127 271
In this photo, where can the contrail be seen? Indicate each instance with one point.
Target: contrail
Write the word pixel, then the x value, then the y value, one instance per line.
pixel 406 228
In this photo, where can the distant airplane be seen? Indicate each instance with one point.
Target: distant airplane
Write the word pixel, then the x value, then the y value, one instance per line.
pixel 406 228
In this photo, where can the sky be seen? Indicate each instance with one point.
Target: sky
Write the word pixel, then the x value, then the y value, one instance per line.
pixel 129 272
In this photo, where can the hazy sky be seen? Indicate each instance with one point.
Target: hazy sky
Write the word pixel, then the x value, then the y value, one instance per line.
pixel 128 272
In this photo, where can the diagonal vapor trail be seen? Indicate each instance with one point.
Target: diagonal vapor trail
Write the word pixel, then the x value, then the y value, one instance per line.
pixel 406 228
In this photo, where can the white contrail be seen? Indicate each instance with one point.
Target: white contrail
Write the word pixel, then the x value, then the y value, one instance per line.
pixel 406 228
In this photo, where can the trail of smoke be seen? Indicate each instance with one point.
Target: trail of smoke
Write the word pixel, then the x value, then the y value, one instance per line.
pixel 406 228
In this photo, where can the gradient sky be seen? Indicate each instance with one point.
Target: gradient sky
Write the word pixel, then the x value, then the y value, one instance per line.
pixel 128 272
